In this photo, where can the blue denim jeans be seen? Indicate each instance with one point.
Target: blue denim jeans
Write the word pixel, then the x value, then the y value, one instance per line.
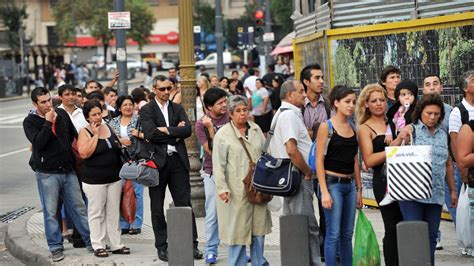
pixel 340 223
pixel 430 213
pixel 447 195
pixel 237 253
pixel 212 232
pixel 138 188
pixel 51 187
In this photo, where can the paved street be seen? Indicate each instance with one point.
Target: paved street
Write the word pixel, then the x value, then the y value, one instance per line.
pixel 17 181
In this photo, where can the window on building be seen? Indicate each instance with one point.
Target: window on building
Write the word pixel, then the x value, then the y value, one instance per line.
pixel 153 2
pixel 173 2
pixel 3 38
pixel 311 6
pixel 237 3
pixel 52 36
pixel 53 3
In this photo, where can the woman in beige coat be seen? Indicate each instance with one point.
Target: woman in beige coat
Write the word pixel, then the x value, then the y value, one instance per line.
pixel 245 223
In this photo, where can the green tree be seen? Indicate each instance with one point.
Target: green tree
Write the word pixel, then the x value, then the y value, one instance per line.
pixel 204 15
pixel 92 15
pixel 281 13
pixel 344 67
pixel 456 51
pixel 12 18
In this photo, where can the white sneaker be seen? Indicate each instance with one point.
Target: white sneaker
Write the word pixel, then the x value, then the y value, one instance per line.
pixel 467 252
pixel 439 246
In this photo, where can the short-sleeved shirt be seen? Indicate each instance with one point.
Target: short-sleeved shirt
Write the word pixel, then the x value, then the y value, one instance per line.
pixel 201 136
pixel 251 84
pixel 439 143
pixel 77 118
pixel 455 122
pixel 257 102
pixel 289 125
pixel 314 114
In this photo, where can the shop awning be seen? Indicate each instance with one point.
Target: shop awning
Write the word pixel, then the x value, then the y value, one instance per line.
pixel 285 45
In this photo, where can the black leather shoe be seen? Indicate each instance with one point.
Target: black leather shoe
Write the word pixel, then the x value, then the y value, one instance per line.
pixel 197 254
pixel 163 254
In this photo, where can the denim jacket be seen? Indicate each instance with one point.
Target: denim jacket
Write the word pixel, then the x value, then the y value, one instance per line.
pixel 115 125
pixel 439 142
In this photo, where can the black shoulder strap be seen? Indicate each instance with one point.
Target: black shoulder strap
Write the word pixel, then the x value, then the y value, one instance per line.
pixel 471 124
pixel 464 113
pixel 88 131
pixel 272 129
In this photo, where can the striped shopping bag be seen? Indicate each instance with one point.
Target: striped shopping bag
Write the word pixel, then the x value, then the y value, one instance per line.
pixel 409 173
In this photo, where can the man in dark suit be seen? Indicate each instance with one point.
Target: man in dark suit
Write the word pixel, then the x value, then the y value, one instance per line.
pixel 166 125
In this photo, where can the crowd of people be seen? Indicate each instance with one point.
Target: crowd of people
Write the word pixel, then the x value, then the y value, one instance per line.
pixel 77 149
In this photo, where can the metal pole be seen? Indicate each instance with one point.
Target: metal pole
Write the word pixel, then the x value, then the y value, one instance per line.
pixel 188 89
pixel 260 47
pixel 121 48
pixel 219 40
pixel 268 28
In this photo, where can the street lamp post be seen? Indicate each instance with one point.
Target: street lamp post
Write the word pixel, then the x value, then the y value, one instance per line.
pixel 121 48
pixel 219 40
pixel 187 72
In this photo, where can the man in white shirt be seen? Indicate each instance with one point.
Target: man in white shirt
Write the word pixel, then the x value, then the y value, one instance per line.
pixel 291 140
pixel 67 94
pixel 459 117
pixel 250 83
pixel 461 114
pixel 110 98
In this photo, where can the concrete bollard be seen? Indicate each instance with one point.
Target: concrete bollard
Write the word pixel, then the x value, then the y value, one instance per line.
pixel 294 240
pixel 413 243
pixel 180 236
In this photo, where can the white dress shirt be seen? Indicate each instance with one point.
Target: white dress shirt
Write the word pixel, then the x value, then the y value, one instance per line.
pixel 164 111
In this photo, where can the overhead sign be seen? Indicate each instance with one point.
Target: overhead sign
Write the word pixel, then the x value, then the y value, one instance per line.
pixel 268 37
pixel 119 20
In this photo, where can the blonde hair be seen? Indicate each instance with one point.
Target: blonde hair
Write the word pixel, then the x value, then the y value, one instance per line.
pixel 204 80
pixel 362 112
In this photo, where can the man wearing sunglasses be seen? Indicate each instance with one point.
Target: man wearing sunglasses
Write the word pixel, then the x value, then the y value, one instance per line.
pixel 166 125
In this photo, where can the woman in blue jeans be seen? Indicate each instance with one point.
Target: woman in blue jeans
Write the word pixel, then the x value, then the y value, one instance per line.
pixel 337 168
pixel 125 126
pixel 426 130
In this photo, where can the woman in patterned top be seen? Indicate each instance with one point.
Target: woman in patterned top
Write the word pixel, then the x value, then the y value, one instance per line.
pixel 426 130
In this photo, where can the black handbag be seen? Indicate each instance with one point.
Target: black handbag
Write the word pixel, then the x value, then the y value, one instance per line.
pixel 276 176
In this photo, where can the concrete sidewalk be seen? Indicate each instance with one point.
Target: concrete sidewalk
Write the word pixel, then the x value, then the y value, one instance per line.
pixel 26 241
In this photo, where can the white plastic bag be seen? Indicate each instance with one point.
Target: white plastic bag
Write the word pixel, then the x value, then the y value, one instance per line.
pixel 275 204
pixel 463 219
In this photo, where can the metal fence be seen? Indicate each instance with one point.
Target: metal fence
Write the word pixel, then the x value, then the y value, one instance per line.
pixel 342 13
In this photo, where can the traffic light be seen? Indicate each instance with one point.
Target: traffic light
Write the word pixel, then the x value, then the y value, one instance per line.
pixel 259 23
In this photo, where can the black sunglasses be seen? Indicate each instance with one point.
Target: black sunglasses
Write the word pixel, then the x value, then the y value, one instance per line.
pixel 169 88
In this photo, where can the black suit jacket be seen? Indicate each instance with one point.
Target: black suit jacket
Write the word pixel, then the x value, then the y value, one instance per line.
pixel 151 118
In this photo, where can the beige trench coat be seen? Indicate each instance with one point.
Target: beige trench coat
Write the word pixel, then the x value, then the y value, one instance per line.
pixel 238 219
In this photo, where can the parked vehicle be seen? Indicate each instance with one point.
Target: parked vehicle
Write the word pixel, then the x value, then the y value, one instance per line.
pixel 211 60
pixel 166 64
pixel 132 63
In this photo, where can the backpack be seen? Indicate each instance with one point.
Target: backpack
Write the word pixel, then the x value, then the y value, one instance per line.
pixel 312 149
pixel 464 120
pixel 464 113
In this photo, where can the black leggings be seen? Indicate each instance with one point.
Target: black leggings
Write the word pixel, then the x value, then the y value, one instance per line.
pixel 391 215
